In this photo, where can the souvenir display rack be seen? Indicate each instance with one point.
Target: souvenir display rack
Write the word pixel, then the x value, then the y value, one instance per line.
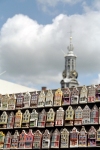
pixel 51 119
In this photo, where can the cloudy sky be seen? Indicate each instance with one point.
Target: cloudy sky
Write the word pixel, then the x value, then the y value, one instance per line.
pixel 33 32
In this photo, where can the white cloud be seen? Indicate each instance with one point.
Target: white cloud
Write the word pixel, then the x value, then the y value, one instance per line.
pixel 96 81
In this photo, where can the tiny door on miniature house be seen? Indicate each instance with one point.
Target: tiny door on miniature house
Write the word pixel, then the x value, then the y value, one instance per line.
pixel 75 96
pixel 41 99
pixel 59 120
pixel 98 93
pixel 34 99
pixel 7 140
pixel 66 96
pixel 42 118
pixel 78 116
pixel 5 102
pixel 15 140
pixel 82 141
pixel 12 102
pixel 46 139
pixel 94 115
pixel 49 99
pixel 3 120
pixel 69 116
pixel 18 119
pixel 29 140
pixel 19 101
pixel 98 138
pixel 55 140
pixel 74 138
pixel 27 98
pixel 22 139
pixel 26 119
pixel 64 141
pixel 86 115
pixel 92 137
pixel 83 95
pixel 58 98
pixel 50 118
pixel 1 97
pixel 33 118
pixel 10 122
pixel 91 94
pixel 2 136
pixel 37 140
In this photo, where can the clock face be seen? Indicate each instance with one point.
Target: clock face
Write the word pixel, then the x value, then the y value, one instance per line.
pixel 73 74
pixel 64 74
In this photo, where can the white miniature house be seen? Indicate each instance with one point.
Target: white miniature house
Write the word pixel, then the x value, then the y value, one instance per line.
pixel 41 99
pixel 33 118
pixel 74 96
pixel 83 95
pixel 26 119
pixel 64 141
pixel 49 99
pixel 50 118
pixel 26 101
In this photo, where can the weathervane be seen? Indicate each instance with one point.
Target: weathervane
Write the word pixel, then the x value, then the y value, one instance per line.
pixel 71 46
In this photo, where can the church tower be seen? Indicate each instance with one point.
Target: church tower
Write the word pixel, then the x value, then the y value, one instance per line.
pixel 69 74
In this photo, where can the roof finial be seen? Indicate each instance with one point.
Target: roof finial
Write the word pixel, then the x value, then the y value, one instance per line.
pixel 70 48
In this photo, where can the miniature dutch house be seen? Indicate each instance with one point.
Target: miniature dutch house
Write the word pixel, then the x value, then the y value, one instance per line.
pixel 94 115
pixel 78 116
pixel 19 101
pixel 98 93
pixel 86 115
pixel 58 98
pixel 18 119
pixel 26 119
pixel 22 139
pixel 3 120
pixel 34 100
pixel 69 116
pixel 82 141
pixel 33 118
pixel 46 139
pixel 74 138
pixel 91 94
pixel 12 102
pixel 37 140
pixel 98 138
pixel 10 122
pixel 41 99
pixel 4 102
pixel 49 99
pixel 64 141
pixel 92 137
pixel 2 136
pixel 15 140
pixel 75 96
pixel 66 96
pixel 99 115
pixel 42 119
pixel 50 118
pixel 1 97
pixel 7 141
pixel 29 140
pixel 27 98
pixel 83 95
pixel 59 120
pixel 55 140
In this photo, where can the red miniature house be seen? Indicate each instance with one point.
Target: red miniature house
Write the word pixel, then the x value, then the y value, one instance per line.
pixel 55 139
pixel 29 140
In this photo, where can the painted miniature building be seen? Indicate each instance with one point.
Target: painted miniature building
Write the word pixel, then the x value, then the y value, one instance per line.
pixel 33 118
pixel 26 101
pixel 5 102
pixel 22 139
pixel 46 139
pixel 99 115
pixel 69 116
pixel 37 140
pixel 78 116
pixel 12 102
pixel 18 119
pixel 7 141
pixel 94 115
pixel 92 137
pixel 66 96
pixel 50 118
pixel 19 101
pixel 91 94
pixel 3 120
pixel 86 115
pixel 74 96
pixel 2 137
pixel 59 120
pixel 29 140
pixel 58 98
pixel 34 99
pixel 49 99
pixel 97 93
pixel 15 140
pixel 42 119
pixel 55 140
pixel 64 141
pixel 1 97
pixel 82 141
pixel 74 138
pixel 26 119
pixel 98 137
pixel 41 99
pixel 10 122
pixel 83 95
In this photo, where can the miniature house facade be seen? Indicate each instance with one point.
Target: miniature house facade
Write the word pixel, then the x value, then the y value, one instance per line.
pixel 22 139
pixel 86 115
pixel 46 140
pixel 49 99
pixel 97 93
pixel 10 122
pixel 83 95
pixel 42 119
pixel 12 102
pixel 59 120
pixel 7 141
pixel 37 140
pixel 69 116
pixel 91 94
pixel 64 141
pixel 33 118
pixel 27 98
pixel 29 140
pixel 15 140
pixel 4 102
pixel 55 139
pixel 19 101
pixel 50 118
pixel 18 119
pixel 41 99
pixel 74 138
pixel 82 138
pixel 26 119
pixel 34 100
pixel 1 97
pixel 98 137
pixel 66 96
pixel 94 115
pixel 75 96
pixel 92 137
pixel 78 116
pixel 3 120
pixel 58 98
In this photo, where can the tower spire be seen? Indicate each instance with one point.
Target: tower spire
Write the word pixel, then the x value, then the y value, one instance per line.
pixel 70 47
